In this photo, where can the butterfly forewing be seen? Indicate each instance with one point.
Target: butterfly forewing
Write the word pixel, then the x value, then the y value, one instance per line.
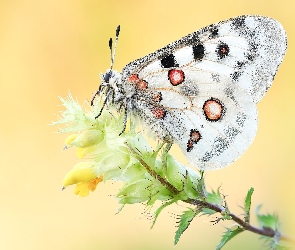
pixel 200 91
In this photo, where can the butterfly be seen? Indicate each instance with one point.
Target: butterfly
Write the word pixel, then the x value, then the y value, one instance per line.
pixel 200 91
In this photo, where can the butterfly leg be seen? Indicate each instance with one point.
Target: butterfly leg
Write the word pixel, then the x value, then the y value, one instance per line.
pixel 104 102
pixel 124 121
pixel 96 94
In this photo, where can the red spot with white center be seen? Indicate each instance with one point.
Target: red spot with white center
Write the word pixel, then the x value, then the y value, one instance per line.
pixel 176 76
pixel 133 78
pixel 142 84
pixel 213 109
pixel 158 112
pixel 223 50
pixel 195 136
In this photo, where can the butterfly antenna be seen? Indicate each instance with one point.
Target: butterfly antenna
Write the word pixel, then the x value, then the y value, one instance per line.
pixel 111 50
pixel 113 53
pixel 108 75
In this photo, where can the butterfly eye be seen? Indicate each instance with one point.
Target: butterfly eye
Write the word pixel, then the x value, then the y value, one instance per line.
pixel 107 76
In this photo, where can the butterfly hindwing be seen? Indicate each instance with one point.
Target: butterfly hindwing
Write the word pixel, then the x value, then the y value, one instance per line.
pixel 212 123
pixel 201 91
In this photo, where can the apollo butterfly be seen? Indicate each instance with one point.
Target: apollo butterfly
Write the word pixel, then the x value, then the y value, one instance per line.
pixel 200 91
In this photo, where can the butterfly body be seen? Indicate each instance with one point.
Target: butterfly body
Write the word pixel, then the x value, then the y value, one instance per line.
pixel 200 91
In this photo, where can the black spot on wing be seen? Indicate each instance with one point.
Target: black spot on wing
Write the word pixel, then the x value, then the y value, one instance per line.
pixel 241 118
pixel 222 50
pixel 240 26
pixel 250 56
pixel 198 51
pixel 169 61
pixel 240 64
pixel 238 23
pixel 253 50
pixel 229 92
pixel 214 32
pixel 238 70
pixel 253 47
pixel 231 133
pixel 235 75
pixel 207 156
pixel 218 147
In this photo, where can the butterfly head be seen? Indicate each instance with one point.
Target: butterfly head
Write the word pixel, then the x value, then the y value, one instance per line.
pixel 106 76
pixel 111 86
pixel 111 79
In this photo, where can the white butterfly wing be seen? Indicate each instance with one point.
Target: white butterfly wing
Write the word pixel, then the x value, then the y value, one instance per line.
pixel 201 90
pixel 207 143
pixel 257 45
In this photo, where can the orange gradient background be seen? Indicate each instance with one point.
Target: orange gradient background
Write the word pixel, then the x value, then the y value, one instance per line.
pixel 50 47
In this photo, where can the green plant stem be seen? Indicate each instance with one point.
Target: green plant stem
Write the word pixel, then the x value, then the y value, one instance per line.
pixel 163 181
pixel 203 204
pixel 245 225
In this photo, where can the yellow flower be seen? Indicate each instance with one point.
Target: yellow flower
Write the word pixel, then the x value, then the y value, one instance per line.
pixel 84 177
pixel 83 188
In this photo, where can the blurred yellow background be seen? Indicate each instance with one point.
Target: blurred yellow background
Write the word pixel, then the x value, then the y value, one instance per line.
pixel 50 47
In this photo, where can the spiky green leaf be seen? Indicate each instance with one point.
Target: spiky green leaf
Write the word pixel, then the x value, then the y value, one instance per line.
pixel 228 235
pixel 247 205
pixel 267 220
pixel 184 222
pixel 272 243
pixel 248 200
pixel 208 211
pixel 159 210
pixel 215 197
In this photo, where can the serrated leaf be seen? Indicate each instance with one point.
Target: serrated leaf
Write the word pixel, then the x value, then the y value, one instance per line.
pixel 208 211
pixel 247 205
pixel 215 197
pixel 267 220
pixel 272 243
pixel 184 222
pixel 228 235
pixel 248 200
pixel 159 210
